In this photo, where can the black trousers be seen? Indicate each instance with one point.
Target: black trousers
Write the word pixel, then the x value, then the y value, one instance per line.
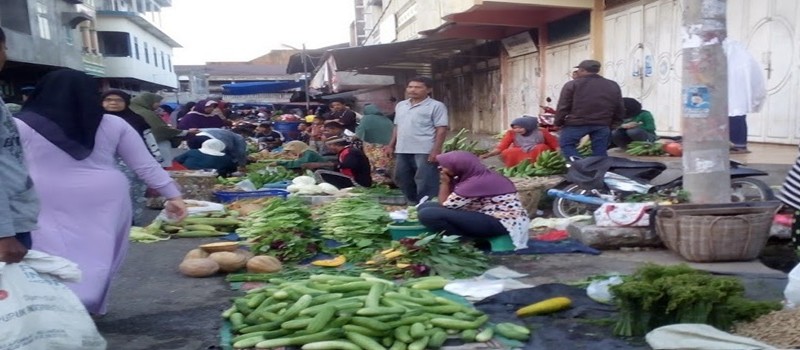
pixel 25 239
pixel 459 222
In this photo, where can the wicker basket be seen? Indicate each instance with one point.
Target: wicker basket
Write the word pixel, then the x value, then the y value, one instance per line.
pixel 531 189
pixel 710 233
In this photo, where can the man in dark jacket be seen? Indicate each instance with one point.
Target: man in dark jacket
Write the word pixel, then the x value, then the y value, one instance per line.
pixel 588 105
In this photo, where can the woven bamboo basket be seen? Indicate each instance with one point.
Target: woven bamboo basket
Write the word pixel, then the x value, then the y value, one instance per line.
pixel 709 234
pixel 531 189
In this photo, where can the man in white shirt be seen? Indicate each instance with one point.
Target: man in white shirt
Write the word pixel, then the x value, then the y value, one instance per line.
pixel 421 125
pixel 747 90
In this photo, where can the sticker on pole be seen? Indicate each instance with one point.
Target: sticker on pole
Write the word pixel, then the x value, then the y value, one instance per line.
pixel 697 102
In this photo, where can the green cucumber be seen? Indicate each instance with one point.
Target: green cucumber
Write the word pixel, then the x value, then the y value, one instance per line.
pixel 364 341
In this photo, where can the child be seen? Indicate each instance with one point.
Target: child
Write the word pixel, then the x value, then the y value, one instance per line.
pixel 315 133
pixel 304 130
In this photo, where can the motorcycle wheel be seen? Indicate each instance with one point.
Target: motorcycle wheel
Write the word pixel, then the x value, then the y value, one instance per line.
pixel 564 208
pixel 750 190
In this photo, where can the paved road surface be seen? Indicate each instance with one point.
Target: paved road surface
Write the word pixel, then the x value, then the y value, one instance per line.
pixel 153 307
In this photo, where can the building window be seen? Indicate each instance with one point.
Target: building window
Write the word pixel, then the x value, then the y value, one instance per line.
pixel 44 23
pixel 114 44
pixel 15 16
pixel 136 47
pixel 169 63
pixel 68 35
pixel 155 57
pixel 146 54
pixel 163 63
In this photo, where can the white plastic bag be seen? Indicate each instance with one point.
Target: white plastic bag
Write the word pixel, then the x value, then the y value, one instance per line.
pixel 37 311
pixel 599 291
pixel 792 290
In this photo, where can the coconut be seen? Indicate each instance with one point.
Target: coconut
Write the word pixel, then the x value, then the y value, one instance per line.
pixel 198 267
pixel 264 264
pixel 196 253
pixel 228 261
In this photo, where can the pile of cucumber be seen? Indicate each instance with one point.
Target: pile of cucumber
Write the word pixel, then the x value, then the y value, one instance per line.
pixel 330 312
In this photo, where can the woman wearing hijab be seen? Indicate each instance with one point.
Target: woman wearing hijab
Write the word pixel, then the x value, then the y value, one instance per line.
pixel 375 130
pixel 182 112
pixel 302 152
pixel 202 117
pixel 638 125
pixel 71 148
pixel 210 155
pixel 167 137
pixel 525 140
pixel 475 202
pixel 116 102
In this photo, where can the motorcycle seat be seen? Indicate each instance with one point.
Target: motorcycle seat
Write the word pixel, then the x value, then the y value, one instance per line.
pixel 619 162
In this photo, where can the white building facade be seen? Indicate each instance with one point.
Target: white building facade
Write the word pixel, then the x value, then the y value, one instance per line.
pixel 137 52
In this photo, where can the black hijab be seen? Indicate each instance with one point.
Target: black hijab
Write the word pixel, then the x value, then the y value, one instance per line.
pixel 65 109
pixel 136 121
pixel 632 107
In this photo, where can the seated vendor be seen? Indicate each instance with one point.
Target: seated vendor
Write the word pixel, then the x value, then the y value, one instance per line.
pixel 302 152
pixel 268 138
pixel 352 166
pixel 475 202
pixel 525 140
pixel 638 125
pixel 210 155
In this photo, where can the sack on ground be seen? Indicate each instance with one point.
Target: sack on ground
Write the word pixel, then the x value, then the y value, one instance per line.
pixel 37 311
pixel 623 214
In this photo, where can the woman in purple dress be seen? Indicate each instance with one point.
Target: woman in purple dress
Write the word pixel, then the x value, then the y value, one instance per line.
pixel 201 117
pixel 71 147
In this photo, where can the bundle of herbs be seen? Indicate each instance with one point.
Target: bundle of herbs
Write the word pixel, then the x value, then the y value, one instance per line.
pixel 282 228
pixel 656 296
pixel 432 254
pixel 356 224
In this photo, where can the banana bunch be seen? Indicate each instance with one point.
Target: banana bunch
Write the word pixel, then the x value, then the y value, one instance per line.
pixel 645 148
pixel 585 149
pixel 459 142
pixel 548 163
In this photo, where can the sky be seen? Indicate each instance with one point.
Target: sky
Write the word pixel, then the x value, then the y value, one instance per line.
pixel 241 30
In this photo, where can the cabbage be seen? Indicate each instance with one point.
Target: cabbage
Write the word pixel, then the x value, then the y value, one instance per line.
pixel 328 188
pixel 304 180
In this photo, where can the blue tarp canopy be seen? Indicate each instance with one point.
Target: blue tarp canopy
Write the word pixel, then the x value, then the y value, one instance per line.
pixel 261 87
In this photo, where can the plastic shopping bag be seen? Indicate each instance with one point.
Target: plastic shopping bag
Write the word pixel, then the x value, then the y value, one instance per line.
pixel 37 311
pixel 792 290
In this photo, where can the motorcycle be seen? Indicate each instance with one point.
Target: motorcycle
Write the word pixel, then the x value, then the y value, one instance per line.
pixel 593 181
pixel 547 119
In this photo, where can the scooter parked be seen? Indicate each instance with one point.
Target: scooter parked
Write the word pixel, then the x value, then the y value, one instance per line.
pixel 597 180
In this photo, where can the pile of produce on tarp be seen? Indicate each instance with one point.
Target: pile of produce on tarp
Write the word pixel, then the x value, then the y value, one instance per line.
pixel 282 228
pixel 548 163
pixel 657 296
pixel 357 224
pixel 433 254
pixel 212 224
pixel 365 312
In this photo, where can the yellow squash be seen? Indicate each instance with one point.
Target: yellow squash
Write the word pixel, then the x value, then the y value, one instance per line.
pixel 545 307
pixel 335 262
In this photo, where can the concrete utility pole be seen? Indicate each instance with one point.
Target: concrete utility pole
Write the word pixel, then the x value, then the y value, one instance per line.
pixel 704 122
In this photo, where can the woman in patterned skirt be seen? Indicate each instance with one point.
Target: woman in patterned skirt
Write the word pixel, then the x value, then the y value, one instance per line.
pixel 790 195
pixel 475 202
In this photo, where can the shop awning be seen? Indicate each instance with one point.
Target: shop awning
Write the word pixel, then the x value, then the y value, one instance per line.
pixel 387 59
pixel 495 20
pixel 266 87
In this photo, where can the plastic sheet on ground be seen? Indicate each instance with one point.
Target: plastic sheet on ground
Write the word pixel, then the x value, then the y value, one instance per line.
pixel 492 282
pixel 699 337
pixel 587 325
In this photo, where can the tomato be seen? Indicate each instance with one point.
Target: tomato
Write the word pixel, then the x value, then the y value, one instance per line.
pixel 674 149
